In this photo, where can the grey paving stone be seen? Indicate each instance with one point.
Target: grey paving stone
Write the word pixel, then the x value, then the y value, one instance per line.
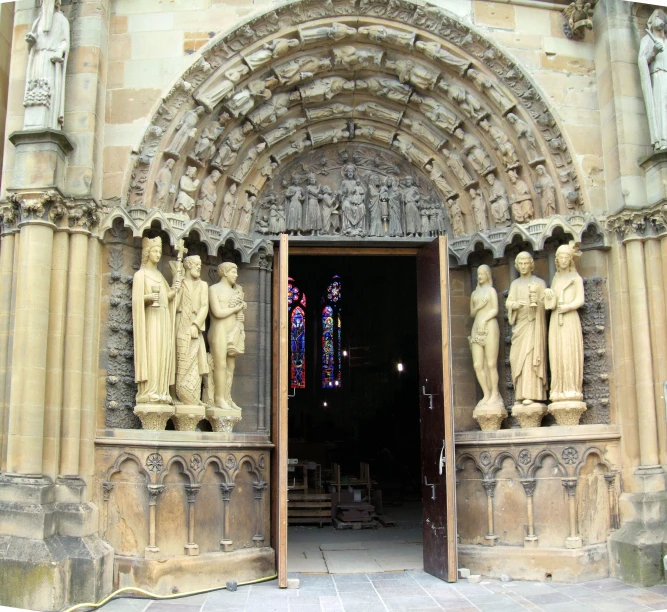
pixel 406 592
pixel 359 598
pixel 408 603
pixel 161 606
pixel 546 598
pixel 350 579
pixel 660 588
pixel 605 584
pixel 573 590
pixel 192 600
pixel 364 608
pixel 298 607
pixel 382 585
pixel 125 604
pixel 657 606
pixel 356 587
pixel 387 576
pixel 563 606
pixel 618 605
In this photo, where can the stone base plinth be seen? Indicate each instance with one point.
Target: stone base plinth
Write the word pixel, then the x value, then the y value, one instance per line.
pixel 490 416
pixel 529 415
pixel 179 574
pixel 186 417
pixel 40 159
pixel 655 170
pixel 567 412
pixel 154 416
pixel 563 565
pixel 491 540
pixel 530 541
pixel 222 420
pixel 573 542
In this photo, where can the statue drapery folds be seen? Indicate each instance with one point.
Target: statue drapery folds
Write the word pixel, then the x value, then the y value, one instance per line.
pixel 653 75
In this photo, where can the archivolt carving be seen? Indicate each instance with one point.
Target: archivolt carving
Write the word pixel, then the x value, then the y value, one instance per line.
pixel 185 470
pixel 116 467
pixel 411 72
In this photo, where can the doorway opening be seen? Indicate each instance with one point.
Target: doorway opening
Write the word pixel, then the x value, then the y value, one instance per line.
pixel 354 475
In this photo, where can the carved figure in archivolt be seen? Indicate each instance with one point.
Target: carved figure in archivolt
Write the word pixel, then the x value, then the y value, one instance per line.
pixel 411 152
pixel 286 128
pixel 336 32
pixel 377 111
pixel 273 50
pixel 153 322
pixel 312 216
pixel 244 101
pixel 479 213
pixel 502 144
pixel 371 132
pixel 500 207
pixel 227 335
pixel 485 336
pixel 294 206
pixel 272 110
pixel 217 89
pixel 653 75
pixel 491 90
pixel 188 184
pixel 456 166
pixel 421 130
pixel 526 314
pixel 437 176
pixel 456 218
pixel 326 112
pixel 380 34
pixel 300 69
pixel 434 50
pixel 436 112
pixel 48 49
pixel 546 189
pixel 523 210
pixel 410 196
pixel 352 197
pixel 385 88
pixel 330 211
pixel 395 204
pixel 163 185
pixel 325 89
pixel 566 344
pixel 205 145
pixel 472 148
pixel 374 208
pixel 245 214
pixel 191 313
pixel 415 74
pixel 277 219
pixel 526 137
pixel 352 58
pixel 186 130
pixel 229 149
pixel 469 104
pixel 249 160
pixel 208 196
pixel 229 206
pixel 331 133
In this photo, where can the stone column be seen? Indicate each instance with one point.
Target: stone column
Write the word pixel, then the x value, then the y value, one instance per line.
pixel 490 487
pixel 265 265
pixel 226 488
pixel 259 488
pixel 610 479
pixel 191 548
pixel 573 541
pixel 264 334
pixel 530 541
pixel 152 551
pixel 107 487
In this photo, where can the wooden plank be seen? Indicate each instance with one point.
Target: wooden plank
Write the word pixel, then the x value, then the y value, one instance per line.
pixel 354 251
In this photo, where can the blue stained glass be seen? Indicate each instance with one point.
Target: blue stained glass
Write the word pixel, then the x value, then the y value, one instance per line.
pixel 298 346
pixel 339 375
pixel 334 290
pixel 327 347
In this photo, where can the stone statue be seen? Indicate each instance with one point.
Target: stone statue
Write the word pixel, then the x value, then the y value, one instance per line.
pixel 566 344
pixel 188 184
pixel 153 326
pixel 385 88
pixel 410 196
pixel 500 207
pixel 523 210
pixel 578 19
pixel 502 144
pixel 216 90
pixel 286 128
pixel 456 218
pixel 335 32
pixel 479 214
pixel 437 175
pixel 48 49
pixel 456 166
pixel 421 130
pixel 526 137
pixel 300 69
pixel 484 343
pixel 273 50
pixel 352 196
pixel 415 74
pixel 325 89
pixel 205 145
pixel 469 104
pixel 245 215
pixel 277 219
pixel 374 209
pixel 295 146
pixel 436 112
pixel 229 206
pixel 351 58
pixel 312 216
pixel 250 159
pixel 244 101
pixel 434 50
pixel 191 313
pixel 653 76
pixel 226 336
pixel 330 212
pixel 377 111
pixel 491 90
pixel 294 207
pixel 185 131
pixel 208 196
pixel 395 206
pixel 163 185
pixel 380 34
pixel 331 133
pixel 272 110
pixel 229 149
pixel 526 314
pixel 546 189
pixel 327 112
pixel 411 152
pixel 372 132
pixel 472 148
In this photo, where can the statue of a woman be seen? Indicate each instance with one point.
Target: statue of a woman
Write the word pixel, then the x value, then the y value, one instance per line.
pixel 48 44
pixel 484 342
pixel 566 343
pixel 653 75
pixel 525 312
pixel 226 335
pixel 153 319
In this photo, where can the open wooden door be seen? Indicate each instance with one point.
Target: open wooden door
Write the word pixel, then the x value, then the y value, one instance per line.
pixel 436 412
pixel 279 420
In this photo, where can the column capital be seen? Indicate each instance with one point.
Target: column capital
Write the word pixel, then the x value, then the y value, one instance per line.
pixel 529 485
pixel 570 485
pixel 10 215
pixel 38 206
pixel 154 491
pixel 639 224
pixel 191 492
pixel 489 485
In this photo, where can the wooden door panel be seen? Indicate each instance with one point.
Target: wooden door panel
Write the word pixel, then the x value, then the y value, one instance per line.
pixel 436 412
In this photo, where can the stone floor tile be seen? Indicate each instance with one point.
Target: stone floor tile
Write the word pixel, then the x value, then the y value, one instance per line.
pixel 378 607
pixel 563 606
pixel 605 584
pixel 406 592
pixel 646 597
pixel 356 587
pixel 659 588
pixel 628 591
pixel 350 579
pixel 400 604
pixel 387 575
pixel 545 598
pixel 294 606
pixel 192 600
pixel 573 590
pixel 126 604
pixel 383 585
pixel 161 606
pixel 618 605
pixel 657 606
pixel 359 598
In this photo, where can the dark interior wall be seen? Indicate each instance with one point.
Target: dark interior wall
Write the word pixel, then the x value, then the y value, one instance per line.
pixel 374 415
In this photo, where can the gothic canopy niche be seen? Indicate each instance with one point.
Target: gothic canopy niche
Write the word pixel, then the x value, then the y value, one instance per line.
pixel 318 113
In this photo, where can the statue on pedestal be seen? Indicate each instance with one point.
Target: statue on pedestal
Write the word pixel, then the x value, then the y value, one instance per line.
pixel 153 322
pixel 653 75
pixel 227 340
pixel 525 312
pixel 191 362
pixel 566 341
pixel 484 342
pixel 48 49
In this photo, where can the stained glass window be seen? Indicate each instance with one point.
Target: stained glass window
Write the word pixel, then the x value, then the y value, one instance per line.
pixel 297 303
pixel 332 335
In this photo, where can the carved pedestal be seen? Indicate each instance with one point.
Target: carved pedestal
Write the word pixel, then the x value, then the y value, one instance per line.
pixel 40 159
pixel 186 416
pixel 567 413
pixel 154 416
pixel 529 415
pixel 223 420
pixel 490 416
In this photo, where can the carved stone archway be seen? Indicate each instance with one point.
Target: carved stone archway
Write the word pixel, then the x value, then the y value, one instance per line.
pixel 277 98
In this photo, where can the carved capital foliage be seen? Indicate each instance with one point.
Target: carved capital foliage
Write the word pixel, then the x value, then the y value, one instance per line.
pixel 226 488
pixel 570 485
pixel 529 485
pixel 83 214
pixel 191 492
pixel 107 487
pixel 153 492
pixel 10 214
pixel 489 486
pixel 39 205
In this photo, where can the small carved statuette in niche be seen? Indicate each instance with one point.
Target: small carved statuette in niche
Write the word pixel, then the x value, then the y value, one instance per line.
pixel 484 344
pixel 217 89
pixel 352 196
pixel 229 149
pixel 500 208
pixel 566 344
pixel 189 184
pixel 245 214
pixel 526 314
pixel 652 67
pixel 522 201
pixel 479 213
pixel 185 131
pixel 273 50
pixel 456 218
pixel 208 196
pixel 546 188
pixel 164 186
pixel 229 203
pixel 410 196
